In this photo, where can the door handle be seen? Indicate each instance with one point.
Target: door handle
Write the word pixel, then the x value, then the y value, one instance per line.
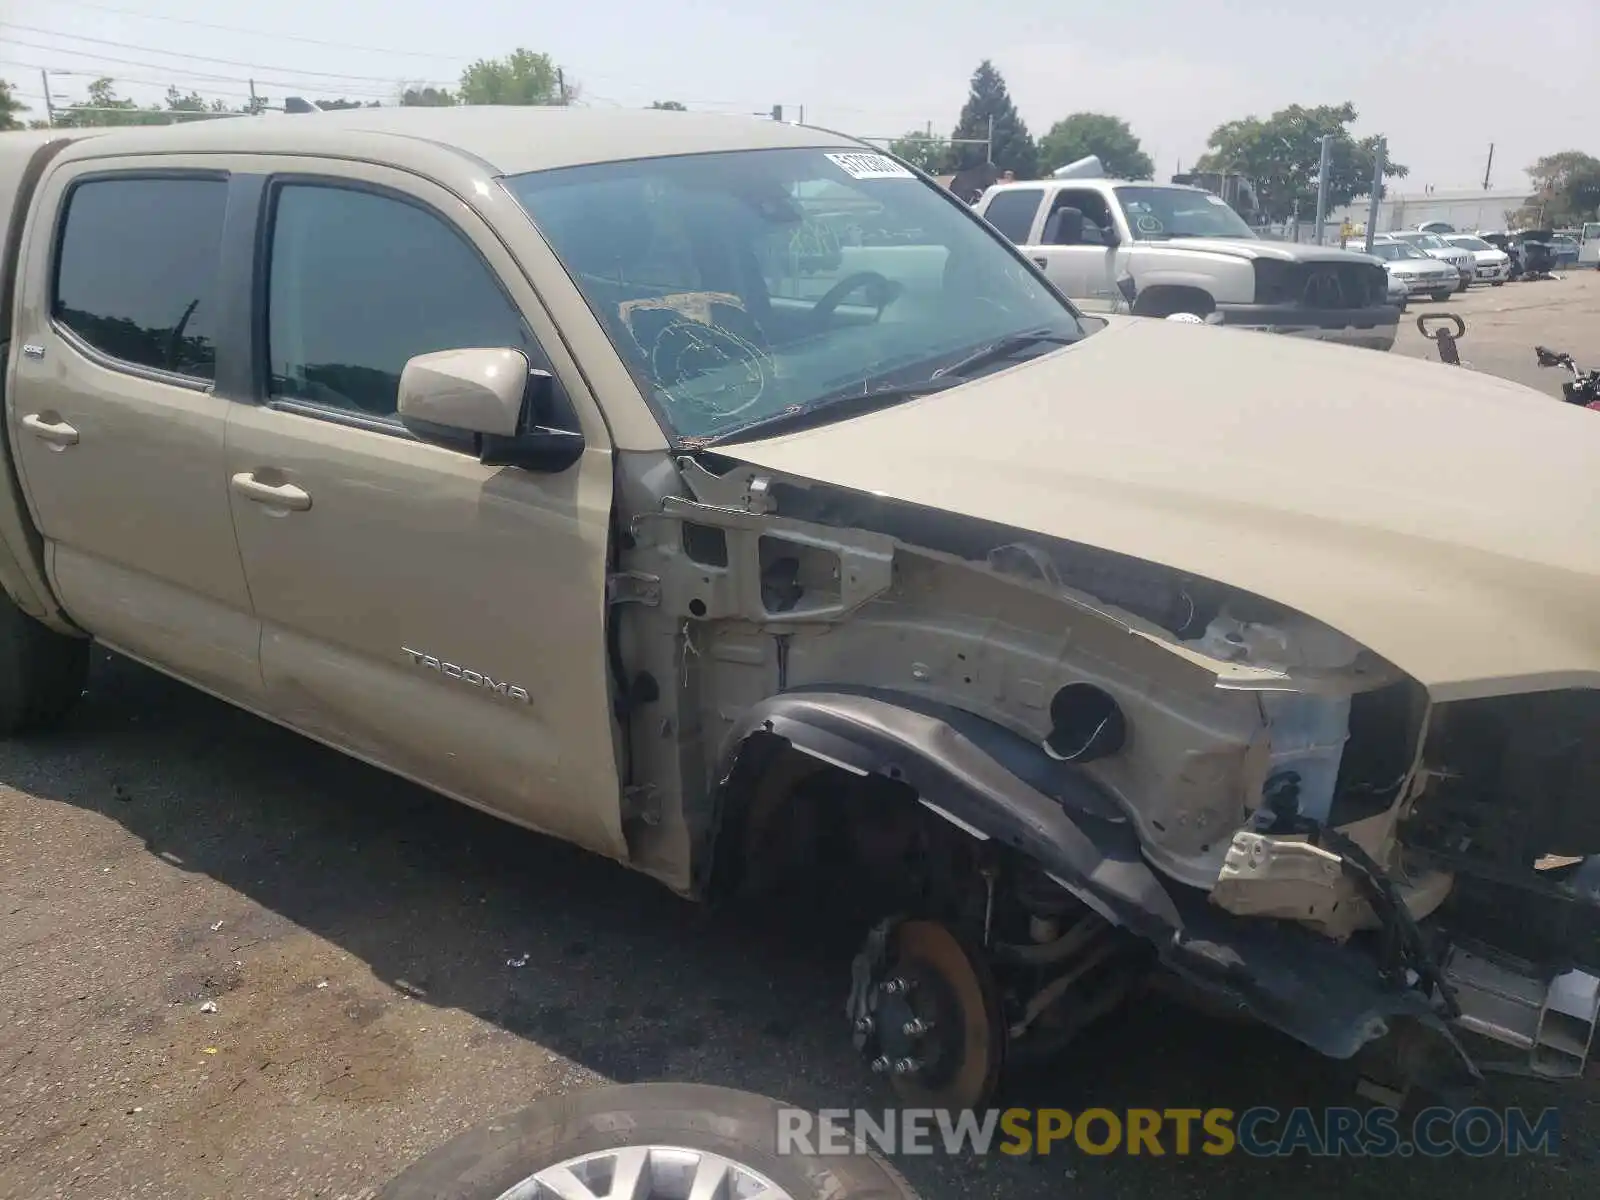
pixel 273 495
pixel 58 433
pixel 1042 261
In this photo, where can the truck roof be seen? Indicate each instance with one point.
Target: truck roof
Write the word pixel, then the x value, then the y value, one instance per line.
pixel 505 139
pixel 1095 180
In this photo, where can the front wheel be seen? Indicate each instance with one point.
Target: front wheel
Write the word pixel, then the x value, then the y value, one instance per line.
pixel 1498 283
pixel 648 1141
pixel 1441 296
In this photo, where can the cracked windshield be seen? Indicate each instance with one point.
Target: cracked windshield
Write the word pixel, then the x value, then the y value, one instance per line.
pixel 770 284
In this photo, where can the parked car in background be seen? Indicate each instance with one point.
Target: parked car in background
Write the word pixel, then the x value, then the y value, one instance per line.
pixel 1439 227
pixel 1493 264
pixel 1566 250
pixel 1166 249
pixel 1432 244
pixel 1399 292
pixel 1589 245
pixel 1418 273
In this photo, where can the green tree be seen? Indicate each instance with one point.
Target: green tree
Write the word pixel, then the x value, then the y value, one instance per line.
pixel 668 105
pixel 1566 186
pixel 921 150
pixel 104 107
pixel 1105 136
pixel 1282 155
pixel 10 106
pixel 427 97
pixel 177 102
pixel 1013 148
pixel 522 77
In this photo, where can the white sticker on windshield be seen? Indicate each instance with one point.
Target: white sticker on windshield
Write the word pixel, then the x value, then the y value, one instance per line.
pixel 1218 201
pixel 869 166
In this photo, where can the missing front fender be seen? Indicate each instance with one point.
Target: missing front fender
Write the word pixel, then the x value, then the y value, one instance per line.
pixel 992 782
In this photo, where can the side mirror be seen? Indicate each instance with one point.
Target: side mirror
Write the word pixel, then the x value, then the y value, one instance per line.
pixel 465 391
pixel 492 403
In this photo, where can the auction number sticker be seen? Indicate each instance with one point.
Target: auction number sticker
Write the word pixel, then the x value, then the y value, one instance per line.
pixel 869 166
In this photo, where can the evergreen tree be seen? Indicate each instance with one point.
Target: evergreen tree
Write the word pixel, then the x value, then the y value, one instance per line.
pixel 1013 147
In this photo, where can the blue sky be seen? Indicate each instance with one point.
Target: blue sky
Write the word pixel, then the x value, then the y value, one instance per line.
pixel 1441 80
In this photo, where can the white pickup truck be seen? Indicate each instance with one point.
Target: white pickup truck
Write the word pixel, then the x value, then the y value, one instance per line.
pixel 1160 249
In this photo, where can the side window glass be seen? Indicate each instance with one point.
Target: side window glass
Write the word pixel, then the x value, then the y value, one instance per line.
pixel 1095 217
pixel 136 272
pixel 359 283
pixel 1012 212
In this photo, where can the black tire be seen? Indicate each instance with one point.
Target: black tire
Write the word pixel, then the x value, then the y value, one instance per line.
pixel 42 672
pixel 485 1161
pixel 1498 283
pixel 1441 296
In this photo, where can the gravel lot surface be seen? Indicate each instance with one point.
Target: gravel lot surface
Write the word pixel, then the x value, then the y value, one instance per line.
pixel 166 853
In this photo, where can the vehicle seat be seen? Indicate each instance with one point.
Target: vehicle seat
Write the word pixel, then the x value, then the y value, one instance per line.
pixel 1064 227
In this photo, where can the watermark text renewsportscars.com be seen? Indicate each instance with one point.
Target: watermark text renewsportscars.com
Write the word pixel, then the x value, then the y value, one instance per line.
pixel 1260 1132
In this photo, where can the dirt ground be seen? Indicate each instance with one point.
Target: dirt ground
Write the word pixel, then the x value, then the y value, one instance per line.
pixel 388 968
pixel 1504 324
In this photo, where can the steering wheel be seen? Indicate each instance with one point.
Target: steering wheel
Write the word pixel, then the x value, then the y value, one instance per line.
pixel 887 291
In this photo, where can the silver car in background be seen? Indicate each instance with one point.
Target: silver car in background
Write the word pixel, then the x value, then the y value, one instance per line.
pixel 1492 265
pixel 1421 274
pixel 1435 246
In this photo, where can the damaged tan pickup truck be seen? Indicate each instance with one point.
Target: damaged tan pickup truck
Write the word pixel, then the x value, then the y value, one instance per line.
pixel 724 497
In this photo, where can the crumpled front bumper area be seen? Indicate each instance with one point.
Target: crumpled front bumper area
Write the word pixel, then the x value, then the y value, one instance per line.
pixel 1372 327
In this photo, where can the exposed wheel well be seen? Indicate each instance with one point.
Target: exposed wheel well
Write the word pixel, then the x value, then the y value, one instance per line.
pixel 802 822
pixel 1163 300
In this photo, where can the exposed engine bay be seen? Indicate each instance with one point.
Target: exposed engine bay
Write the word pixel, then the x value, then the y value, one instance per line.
pixel 1047 770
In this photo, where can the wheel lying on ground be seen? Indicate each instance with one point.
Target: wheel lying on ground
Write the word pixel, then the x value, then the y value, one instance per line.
pixel 645 1141
pixel 42 672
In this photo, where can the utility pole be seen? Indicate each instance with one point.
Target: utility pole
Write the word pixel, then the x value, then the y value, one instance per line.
pixel 255 105
pixel 1487 167
pixel 988 147
pixel 49 108
pixel 561 82
pixel 1322 184
pixel 1377 187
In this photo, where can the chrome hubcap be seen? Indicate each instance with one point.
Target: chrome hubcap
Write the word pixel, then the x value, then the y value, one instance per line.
pixel 647 1173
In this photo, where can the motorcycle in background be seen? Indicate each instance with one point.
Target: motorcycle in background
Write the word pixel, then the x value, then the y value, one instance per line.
pixel 1584 386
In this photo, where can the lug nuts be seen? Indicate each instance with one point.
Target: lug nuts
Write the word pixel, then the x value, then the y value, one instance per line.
pixel 915 1027
pixel 907 1066
pixel 880 1065
pixel 894 987
pixel 864 1025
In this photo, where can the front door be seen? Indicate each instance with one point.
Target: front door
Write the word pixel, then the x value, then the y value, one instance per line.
pixel 1080 256
pixel 114 419
pixel 442 618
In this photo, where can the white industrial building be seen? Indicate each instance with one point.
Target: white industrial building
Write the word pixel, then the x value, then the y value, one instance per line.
pixel 1467 210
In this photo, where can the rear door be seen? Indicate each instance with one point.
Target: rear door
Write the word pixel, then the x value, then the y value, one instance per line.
pixel 114 414
pixel 419 609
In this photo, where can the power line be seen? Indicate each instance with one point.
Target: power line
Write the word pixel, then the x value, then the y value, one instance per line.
pixel 234 79
pixel 286 37
pixel 161 83
pixel 205 58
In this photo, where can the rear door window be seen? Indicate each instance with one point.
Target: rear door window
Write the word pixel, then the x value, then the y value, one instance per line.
pixel 136 271
pixel 1012 212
